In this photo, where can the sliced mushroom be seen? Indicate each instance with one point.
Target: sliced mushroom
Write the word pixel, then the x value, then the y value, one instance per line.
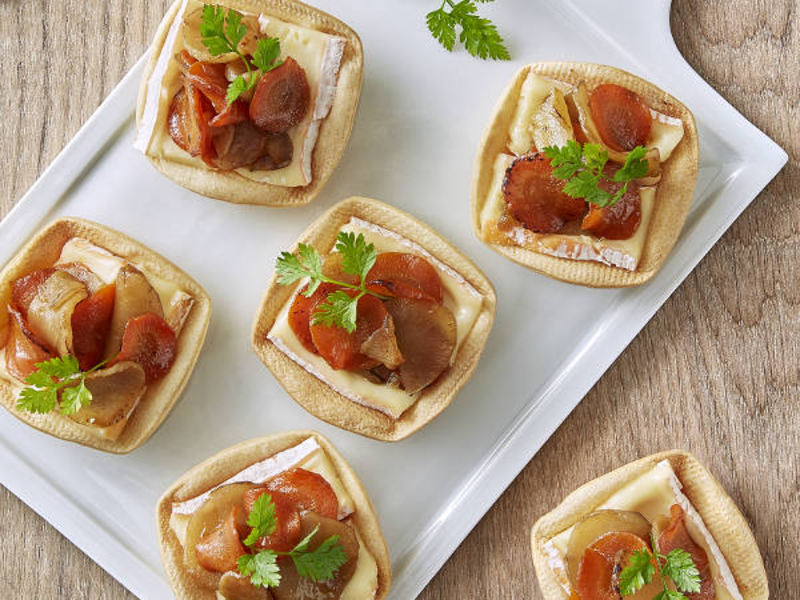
pixel 80 272
pixel 50 311
pixel 23 351
pixel 233 586
pixel 294 587
pixel 135 297
pixel 426 336
pixel 381 345
pixel 115 393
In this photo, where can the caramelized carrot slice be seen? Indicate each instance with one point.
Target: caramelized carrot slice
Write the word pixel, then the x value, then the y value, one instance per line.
pixel 187 122
pixel 677 536
pixel 282 98
pixel 220 549
pixel 342 350
pixel 91 320
pixel 211 81
pixel 22 349
pixel 622 118
pixel 149 341
pixel 24 289
pixel 301 312
pixel 618 221
pixel 535 197
pixel 287 517
pixel 307 490
pixel 602 562
pixel 406 276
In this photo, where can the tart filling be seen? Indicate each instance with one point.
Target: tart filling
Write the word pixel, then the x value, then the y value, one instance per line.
pixel 302 482
pixel 377 387
pixel 178 97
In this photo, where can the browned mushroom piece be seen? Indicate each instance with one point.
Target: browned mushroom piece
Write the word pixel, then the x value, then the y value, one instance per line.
pixel 134 297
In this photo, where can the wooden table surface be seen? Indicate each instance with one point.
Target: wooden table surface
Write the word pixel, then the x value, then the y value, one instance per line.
pixel 714 372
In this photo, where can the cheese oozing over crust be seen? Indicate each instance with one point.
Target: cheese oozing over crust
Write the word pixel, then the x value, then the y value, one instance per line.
pixel 175 302
pixel 541 119
pixel 652 494
pixel 320 56
pixel 461 298
pixel 310 456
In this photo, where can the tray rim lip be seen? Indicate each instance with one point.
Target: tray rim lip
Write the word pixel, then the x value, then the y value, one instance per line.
pixel 100 129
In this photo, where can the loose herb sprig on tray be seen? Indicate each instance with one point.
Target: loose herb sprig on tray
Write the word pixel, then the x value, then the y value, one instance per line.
pixel 339 308
pixel 41 395
pixel 677 566
pixel 262 566
pixel 583 168
pixel 479 35
pixel 222 32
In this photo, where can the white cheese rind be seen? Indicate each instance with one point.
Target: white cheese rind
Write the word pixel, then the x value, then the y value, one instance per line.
pixel 652 494
pixel 460 297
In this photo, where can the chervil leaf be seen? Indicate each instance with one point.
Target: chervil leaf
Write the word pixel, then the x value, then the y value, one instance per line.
pixel 668 594
pixel 635 165
pixel 679 566
pixel 261 518
pixel 357 256
pixel 595 157
pixel 339 309
pixel 291 267
pixel 62 367
pixel 443 28
pixel 637 574
pixel 236 88
pixel 267 54
pixel 212 30
pixel 74 398
pixel 36 400
pixel 303 545
pixel 261 568
pixel 321 564
pixel 234 28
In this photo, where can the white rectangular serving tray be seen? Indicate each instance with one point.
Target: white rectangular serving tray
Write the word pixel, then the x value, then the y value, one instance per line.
pixel 421 117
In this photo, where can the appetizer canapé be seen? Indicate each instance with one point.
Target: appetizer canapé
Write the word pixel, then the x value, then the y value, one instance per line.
pixel 98 335
pixel 370 329
pixel 661 523
pixel 280 517
pixel 249 101
pixel 585 173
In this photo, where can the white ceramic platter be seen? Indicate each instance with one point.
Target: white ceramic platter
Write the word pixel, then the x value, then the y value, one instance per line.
pixel 421 117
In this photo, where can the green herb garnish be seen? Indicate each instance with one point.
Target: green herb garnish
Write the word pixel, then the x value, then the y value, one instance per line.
pixel 222 32
pixel 676 566
pixel 339 308
pixel 262 566
pixel 582 167
pixel 479 35
pixel 41 395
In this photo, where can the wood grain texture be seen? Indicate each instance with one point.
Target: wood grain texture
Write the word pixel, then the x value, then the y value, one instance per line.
pixel 715 372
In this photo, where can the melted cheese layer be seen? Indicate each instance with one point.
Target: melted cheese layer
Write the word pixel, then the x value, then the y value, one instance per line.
pixel 319 55
pixel 463 300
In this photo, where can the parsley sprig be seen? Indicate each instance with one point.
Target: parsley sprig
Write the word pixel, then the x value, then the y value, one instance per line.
pixel 340 308
pixel 677 566
pixel 583 168
pixel 41 394
pixel 222 32
pixel 479 35
pixel 262 566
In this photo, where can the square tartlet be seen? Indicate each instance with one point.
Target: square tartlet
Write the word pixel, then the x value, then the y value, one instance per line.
pixel 671 204
pixel 231 464
pixel 334 128
pixel 42 251
pixel 721 517
pixel 319 397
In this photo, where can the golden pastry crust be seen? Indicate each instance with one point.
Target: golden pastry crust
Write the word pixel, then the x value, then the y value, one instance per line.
pixel 334 129
pixel 42 251
pixel 227 463
pixel 673 195
pixel 319 398
pixel 719 513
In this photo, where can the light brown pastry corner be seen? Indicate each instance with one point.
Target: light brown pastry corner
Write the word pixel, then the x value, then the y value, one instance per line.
pixel 673 196
pixel 42 251
pixel 722 517
pixel 320 399
pixel 334 129
pixel 223 465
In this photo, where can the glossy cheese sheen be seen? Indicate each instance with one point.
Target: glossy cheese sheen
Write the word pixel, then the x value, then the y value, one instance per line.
pixel 652 495
pixel 459 296
pixel 317 53
pixel 364 582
